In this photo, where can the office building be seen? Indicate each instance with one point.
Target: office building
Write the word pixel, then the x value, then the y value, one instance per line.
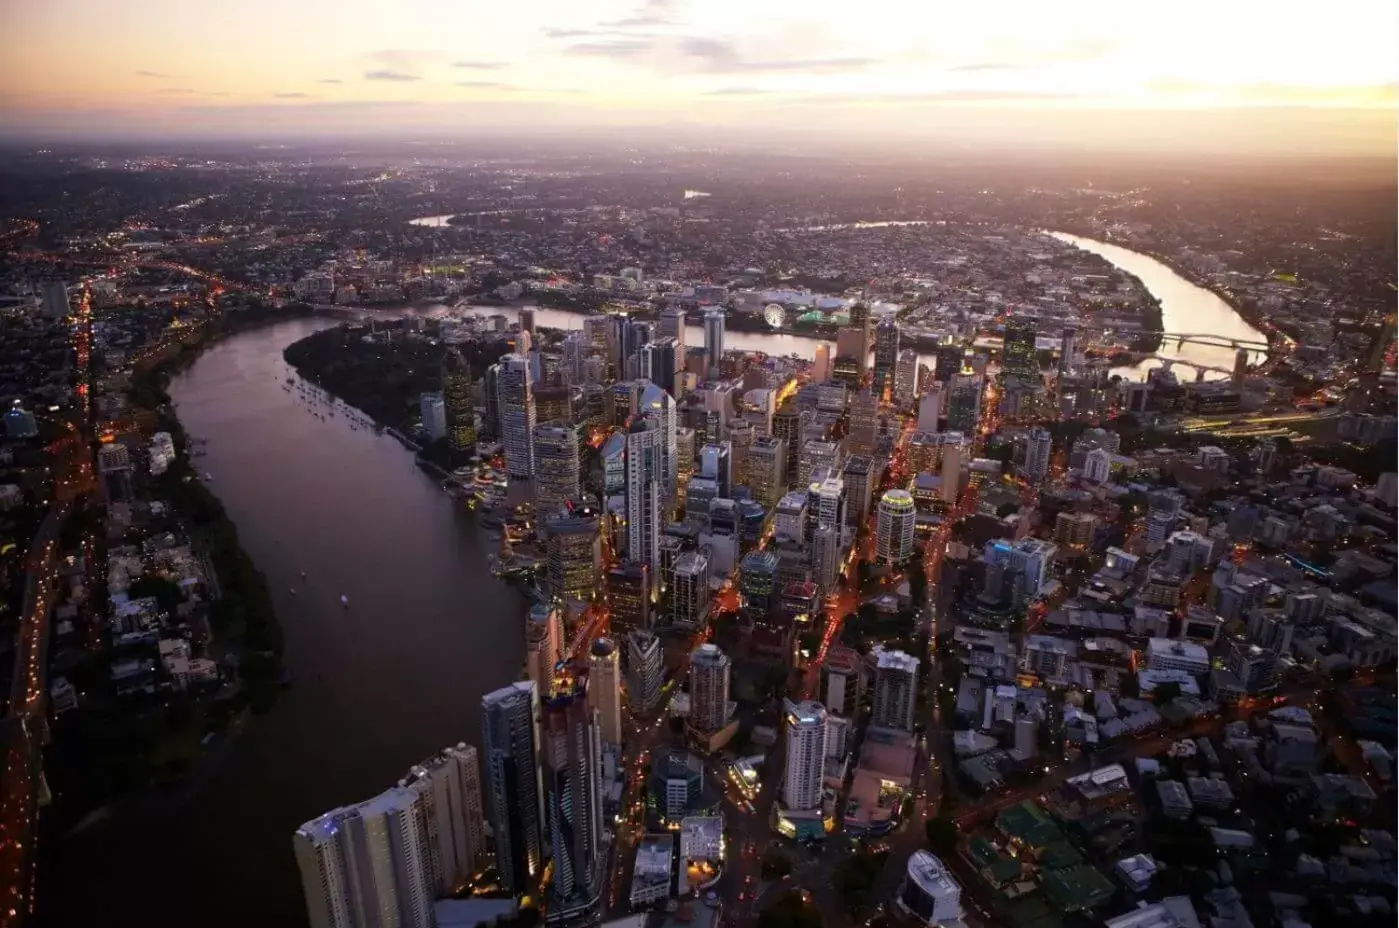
pixel 950 359
pixel 663 359
pixel 516 415
pixel 713 342
pixel 543 645
pixel 367 864
pixel 930 409
pixel 1019 357
pixel 644 495
pixel 645 671
pixel 954 453
pixel 826 557
pixel 1066 350
pixel 864 422
pixel 605 688
pixel 929 893
pixel 448 785
pixel 758 585
pixel 806 755
pixel 432 409
pixel 716 463
pixel 55 299
pixel 767 470
pixel 842 681
pixel 859 479
pixel 895 690
pixel 114 469
pixel 894 527
pixel 556 466
pixel 514 794
pixel 789 520
pixel 553 405
pixel 821 366
pixel 571 759
pixel 458 408
pixel 1097 466
pixel 658 406
pixel 1039 444
pixel 886 353
pixel 1075 529
pixel 1168 654
pixel 709 688
pixel 573 548
pixel 629 595
pixel 672 325
pixel 906 379
pixel 20 422
pixel 676 789
pixel 817 456
pixel 964 403
pixel 690 594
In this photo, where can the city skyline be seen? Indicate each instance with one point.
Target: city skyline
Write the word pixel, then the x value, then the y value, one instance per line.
pixel 991 74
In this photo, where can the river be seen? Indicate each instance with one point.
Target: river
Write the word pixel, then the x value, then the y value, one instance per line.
pixel 376 687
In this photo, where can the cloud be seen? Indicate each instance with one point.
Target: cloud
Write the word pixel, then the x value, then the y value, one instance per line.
pixel 330 80
pixel 479 65
pixel 405 58
pixel 554 33
pixel 177 90
pixel 292 96
pixel 612 48
pixel 737 92
pixel 158 75
pixel 985 66
pixel 387 75
pixel 494 85
pixel 934 97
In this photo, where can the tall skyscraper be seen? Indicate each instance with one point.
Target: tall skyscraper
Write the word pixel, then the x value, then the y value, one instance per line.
pixel 709 688
pixel 886 353
pixel 644 469
pixel 930 409
pixel 767 470
pixel 1018 356
pixel 645 671
pixel 556 466
pixel 605 688
pixel 895 690
pixel 367 864
pixel 514 795
pixel 964 403
pixel 516 415
pixel 894 527
pixel 806 755
pixel 571 757
pixel 817 456
pixel 713 342
pixel 662 360
pixel 672 325
pixel 716 463
pixel 1067 347
pixel 825 557
pixel 1038 446
pixel 543 645
pixel 573 546
pixel 821 366
pixel 949 362
pixel 457 404
pixel 658 405
pixel 690 596
pixel 449 788
pixel 906 378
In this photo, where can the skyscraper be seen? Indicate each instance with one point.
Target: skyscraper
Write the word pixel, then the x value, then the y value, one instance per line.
pixel 663 359
pixel 1039 444
pixel 821 366
pixel 758 585
pixel 516 416
pixel 605 688
pixel 543 645
pixel 886 353
pixel 645 671
pixel 432 409
pixel 964 403
pixel 894 527
pixel 895 690
pixel 930 409
pixel 367 864
pixel 556 465
pixel 709 688
pixel 449 788
pixel 573 546
pixel 690 597
pixel 806 755
pixel 906 378
pixel 1018 356
pixel 658 405
pixel 571 757
pixel 510 763
pixel 456 400
pixel 713 342
pixel 644 468
pixel 949 362
pixel 767 470
pixel 1067 348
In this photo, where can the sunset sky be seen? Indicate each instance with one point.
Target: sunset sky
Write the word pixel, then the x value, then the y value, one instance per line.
pixel 369 65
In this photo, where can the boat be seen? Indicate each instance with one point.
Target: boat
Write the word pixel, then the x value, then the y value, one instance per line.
pixel 344 600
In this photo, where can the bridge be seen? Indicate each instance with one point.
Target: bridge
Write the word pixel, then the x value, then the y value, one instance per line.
pixel 1205 338
pixel 1167 363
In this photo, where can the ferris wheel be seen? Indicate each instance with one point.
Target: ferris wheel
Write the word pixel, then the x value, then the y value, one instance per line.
pixel 775 315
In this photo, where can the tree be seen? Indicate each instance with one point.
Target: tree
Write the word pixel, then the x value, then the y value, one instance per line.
pixel 1163 693
pixel 790 911
pixel 942 834
pixel 1128 686
pixel 775 862
pixel 854 878
pixel 166 593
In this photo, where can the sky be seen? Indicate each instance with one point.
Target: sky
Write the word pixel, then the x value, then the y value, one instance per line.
pixel 890 67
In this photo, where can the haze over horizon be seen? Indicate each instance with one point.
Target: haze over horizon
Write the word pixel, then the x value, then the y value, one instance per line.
pixel 1195 76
